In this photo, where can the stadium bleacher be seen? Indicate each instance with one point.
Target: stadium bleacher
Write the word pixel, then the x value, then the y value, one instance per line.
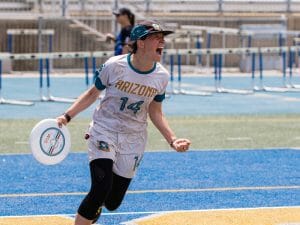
pixel 85 22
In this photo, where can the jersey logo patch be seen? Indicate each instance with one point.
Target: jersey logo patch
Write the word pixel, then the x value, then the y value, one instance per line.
pixel 103 146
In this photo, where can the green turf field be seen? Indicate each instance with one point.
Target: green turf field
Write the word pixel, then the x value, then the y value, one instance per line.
pixel 218 132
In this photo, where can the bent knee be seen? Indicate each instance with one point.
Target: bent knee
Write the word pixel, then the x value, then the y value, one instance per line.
pixel 111 206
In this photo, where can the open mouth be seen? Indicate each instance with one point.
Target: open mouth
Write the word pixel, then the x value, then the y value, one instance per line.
pixel 159 50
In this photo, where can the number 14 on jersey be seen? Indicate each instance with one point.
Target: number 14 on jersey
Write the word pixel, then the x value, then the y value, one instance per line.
pixel 135 107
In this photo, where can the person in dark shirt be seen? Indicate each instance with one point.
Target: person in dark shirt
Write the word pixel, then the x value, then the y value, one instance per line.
pixel 126 19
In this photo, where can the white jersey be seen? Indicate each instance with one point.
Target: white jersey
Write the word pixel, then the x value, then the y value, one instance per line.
pixel 129 92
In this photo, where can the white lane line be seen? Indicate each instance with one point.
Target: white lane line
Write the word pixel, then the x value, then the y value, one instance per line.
pixel 154 212
pixel 217 189
pixel 72 215
pixel 239 139
pixel 155 191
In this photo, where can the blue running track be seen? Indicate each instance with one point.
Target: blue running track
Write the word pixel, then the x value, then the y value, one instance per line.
pixel 165 181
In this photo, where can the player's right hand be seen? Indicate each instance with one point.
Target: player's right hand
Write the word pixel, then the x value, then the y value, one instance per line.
pixel 61 120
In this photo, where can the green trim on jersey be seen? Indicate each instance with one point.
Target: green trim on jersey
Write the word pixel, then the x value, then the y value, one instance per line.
pixel 160 98
pixel 99 85
pixel 138 71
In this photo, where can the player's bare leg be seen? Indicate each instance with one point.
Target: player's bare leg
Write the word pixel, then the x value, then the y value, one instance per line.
pixel 80 220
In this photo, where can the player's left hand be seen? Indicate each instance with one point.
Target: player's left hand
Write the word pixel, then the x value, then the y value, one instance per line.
pixel 181 144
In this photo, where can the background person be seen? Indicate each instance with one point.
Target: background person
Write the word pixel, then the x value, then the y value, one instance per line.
pixel 126 19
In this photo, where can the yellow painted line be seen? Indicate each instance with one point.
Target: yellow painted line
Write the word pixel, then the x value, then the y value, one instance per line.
pixel 262 188
pixel 36 220
pixel 258 216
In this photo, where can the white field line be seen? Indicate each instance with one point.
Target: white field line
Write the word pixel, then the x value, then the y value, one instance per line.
pixel 262 188
pixel 192 150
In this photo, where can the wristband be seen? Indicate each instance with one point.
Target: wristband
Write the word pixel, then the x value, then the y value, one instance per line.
pixel 67 116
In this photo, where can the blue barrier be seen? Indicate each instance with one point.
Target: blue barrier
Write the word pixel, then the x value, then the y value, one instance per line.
pixel 9 43
pixel 171 68
pixel 215 62
pixel 220 65
pixel 50 43
pixel 47 64
pixel 249 44
pixel 284 68
pixel 11 101
pixel 291 61
pixel 253 65
pixel 179 68
pixel 199 46
pixel 208 40
pixel 41 72
pixel 94 65
pixel 180 90
pixel 86 70
pixel 261 86
pixel 261 66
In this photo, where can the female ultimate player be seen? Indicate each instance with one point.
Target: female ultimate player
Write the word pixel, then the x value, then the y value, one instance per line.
pixel 135 86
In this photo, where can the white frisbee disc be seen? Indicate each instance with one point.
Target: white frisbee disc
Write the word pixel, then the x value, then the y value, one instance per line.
pixel 49 143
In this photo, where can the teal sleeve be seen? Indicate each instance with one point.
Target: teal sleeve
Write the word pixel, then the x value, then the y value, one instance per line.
pixel 160 98
pixel 98 84
pixel 97 81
